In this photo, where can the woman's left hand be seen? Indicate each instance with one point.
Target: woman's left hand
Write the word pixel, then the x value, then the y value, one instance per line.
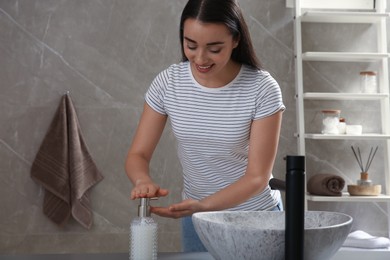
pixel 182 209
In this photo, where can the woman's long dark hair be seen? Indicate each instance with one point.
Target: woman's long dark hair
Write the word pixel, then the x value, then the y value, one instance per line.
pixel 228 13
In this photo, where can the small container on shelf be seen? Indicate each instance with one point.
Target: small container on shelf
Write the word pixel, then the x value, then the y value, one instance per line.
pixel 368 82
pixel 342 127
pixel 330 121
pixel 362 190
pixel 354 129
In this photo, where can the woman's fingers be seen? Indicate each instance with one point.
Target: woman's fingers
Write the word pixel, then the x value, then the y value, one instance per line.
pixel 148 191
pixel 168 213
pixel 162 192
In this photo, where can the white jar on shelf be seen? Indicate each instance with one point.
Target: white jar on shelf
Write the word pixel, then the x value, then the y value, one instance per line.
pixel 330 121
pixel 368 82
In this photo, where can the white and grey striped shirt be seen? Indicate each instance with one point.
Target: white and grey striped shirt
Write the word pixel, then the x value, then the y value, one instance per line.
pixel 212 126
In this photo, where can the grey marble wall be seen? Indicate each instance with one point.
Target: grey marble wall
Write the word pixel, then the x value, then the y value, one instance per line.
pixel 106 53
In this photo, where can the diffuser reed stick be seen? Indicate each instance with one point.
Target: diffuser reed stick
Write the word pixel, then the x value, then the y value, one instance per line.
pixel 358 156
pixel 370 160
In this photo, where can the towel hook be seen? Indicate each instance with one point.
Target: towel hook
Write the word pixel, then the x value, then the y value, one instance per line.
pixel 65 93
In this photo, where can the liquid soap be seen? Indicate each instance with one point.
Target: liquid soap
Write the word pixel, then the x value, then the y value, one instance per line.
pixel 143 234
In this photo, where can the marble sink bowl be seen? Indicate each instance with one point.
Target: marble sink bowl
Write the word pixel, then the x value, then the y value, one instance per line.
pixel 260 234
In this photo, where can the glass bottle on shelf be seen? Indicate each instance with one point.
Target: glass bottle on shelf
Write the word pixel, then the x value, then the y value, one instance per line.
pixel 330 121
pixel 368 82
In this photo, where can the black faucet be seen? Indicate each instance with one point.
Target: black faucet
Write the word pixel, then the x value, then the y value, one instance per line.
pixel 294 186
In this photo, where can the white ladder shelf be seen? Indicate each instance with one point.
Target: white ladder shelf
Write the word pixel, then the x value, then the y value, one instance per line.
pixel 305 12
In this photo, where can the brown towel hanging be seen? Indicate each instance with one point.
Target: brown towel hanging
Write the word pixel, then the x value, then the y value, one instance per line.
pixel 65 168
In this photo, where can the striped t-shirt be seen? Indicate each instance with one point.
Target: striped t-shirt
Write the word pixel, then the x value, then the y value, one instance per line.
pixel 212 127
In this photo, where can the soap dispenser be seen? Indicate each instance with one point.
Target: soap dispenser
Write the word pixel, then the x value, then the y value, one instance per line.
pixel 143 234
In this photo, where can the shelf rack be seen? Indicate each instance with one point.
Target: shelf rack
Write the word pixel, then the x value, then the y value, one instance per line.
pixel 376 16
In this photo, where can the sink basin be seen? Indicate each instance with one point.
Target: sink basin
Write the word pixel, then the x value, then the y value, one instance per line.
pixel 260 234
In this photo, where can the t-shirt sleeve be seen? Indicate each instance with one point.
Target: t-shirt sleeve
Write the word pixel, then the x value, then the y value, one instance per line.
pixel 269 100
pixel 155 95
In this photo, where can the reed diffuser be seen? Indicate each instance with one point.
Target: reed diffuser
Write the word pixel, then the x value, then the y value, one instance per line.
pixel 364 184
pixel 364 168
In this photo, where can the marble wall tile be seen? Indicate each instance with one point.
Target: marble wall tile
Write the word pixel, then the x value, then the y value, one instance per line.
pixel 106 53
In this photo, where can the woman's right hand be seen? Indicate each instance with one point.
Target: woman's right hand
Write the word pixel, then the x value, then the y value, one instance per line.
pixel 147 189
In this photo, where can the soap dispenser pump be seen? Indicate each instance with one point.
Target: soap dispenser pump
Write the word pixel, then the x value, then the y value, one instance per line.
pixel 143 234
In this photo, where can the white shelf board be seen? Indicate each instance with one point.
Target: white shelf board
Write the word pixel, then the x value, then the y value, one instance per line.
pixel 347 137
pixel 347 198
pixel 344 56
pixel 344 96
pixel 342 17
pixel 334 4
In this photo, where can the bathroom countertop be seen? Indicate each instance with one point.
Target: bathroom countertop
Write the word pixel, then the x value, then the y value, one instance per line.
pixel 105 256
pixel 342 254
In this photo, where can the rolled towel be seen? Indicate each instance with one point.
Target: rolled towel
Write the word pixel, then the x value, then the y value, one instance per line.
pixel 325 184
pixel 361 239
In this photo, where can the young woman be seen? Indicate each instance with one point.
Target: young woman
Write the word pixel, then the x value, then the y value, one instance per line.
pixel 225 112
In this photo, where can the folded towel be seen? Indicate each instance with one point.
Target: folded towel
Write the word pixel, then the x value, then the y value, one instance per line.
pixel 65 168
pixel 325 184
pixel 361 239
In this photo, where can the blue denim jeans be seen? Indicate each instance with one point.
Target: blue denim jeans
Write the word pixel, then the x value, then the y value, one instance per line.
pixel 190 239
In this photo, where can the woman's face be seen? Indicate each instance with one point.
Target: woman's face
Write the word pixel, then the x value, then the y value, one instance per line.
pixel 208 47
